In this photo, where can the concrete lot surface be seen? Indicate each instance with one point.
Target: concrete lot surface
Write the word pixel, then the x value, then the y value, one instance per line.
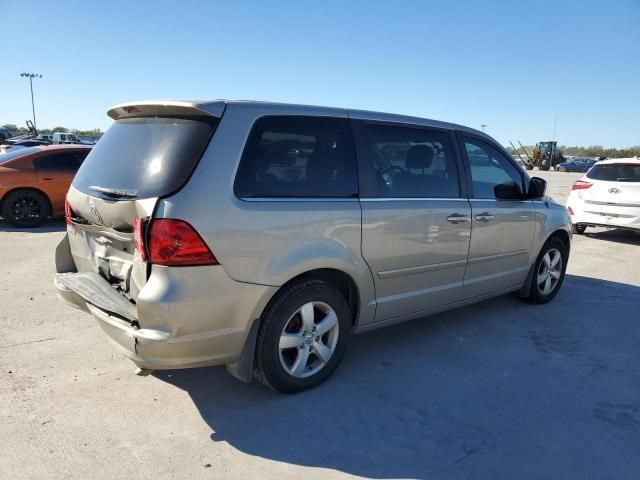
pixel 499 390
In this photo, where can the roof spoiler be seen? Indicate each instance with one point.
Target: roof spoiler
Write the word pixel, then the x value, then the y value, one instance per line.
pixel 167 108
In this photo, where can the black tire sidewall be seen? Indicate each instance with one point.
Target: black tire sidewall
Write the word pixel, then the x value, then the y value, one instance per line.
pixel 13 196
pixel 535 295
pixel 578 229
pixel 268 367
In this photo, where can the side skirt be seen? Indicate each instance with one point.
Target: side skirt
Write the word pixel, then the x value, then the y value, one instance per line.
pixel 431 311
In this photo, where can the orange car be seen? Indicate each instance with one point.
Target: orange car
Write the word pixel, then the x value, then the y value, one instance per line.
pixel 34 182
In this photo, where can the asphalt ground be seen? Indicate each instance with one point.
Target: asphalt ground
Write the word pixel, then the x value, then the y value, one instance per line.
pixel 497 390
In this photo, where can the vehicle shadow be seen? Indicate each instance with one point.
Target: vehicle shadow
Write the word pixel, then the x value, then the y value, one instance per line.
pixel 414 400
pixel 614 235
pixel 51 225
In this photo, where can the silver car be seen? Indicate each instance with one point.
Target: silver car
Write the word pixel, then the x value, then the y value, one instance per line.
pixel 261 236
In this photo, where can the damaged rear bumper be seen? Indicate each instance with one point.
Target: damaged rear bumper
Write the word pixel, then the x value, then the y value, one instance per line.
pixel 184 317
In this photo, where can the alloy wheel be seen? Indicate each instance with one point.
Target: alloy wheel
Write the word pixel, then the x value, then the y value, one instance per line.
pixel 549 271
pixel 26 210
pixel 308 339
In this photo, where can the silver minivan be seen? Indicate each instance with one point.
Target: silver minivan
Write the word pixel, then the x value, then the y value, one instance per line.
pixel 261 236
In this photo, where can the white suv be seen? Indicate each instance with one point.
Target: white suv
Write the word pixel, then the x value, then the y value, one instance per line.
pixel 59 137
pixel 607 196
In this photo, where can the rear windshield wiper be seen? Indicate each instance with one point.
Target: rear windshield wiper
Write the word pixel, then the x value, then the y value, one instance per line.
pixel 114 192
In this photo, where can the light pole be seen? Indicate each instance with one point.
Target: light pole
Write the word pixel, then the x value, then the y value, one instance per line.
pixel 31 76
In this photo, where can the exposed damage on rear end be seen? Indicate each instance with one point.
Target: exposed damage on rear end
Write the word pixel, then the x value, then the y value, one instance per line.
pixel 145 276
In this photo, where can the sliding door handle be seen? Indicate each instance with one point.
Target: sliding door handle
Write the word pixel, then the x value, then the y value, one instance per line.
pixel 457 218
pixel 484 217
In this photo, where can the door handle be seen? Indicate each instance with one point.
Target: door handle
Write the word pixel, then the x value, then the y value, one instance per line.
pixel 47 178
pixel 484 217
pixel 457 218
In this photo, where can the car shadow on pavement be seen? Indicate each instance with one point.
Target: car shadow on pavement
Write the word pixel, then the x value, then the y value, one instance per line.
pixel 416 399
pixel 51 225
pixel 614 235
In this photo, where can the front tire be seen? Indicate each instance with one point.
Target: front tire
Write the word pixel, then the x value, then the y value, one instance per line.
pixel 562 169
pixel 303 336
pixel 548 271
pixel 25 208
pixel 578 229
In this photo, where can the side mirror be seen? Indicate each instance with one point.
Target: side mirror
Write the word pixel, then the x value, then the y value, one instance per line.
pixel 537 188
pixel 508 191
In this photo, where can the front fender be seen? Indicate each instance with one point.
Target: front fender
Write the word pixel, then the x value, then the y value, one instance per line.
pixel 550 218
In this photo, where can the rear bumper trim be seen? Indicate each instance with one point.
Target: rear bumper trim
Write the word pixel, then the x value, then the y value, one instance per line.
pixel 98 292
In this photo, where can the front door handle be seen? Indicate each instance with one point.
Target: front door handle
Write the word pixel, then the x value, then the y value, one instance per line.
pixel 457 218
pixel 47 178
pixel 484 217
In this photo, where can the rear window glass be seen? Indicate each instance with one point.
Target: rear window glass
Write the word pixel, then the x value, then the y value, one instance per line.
pixel 17 152
pixel 148 156
pixel 297 156
pixel 615 172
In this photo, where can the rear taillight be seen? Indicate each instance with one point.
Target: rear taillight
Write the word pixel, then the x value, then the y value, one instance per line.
pixel 581 185
pixel 69 214
pixel 175 243
pixel 570 211
pixel 138 235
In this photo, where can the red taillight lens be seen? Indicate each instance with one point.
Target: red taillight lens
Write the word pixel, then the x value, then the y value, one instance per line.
pixel 69 214
pixel 138 235
pixel 67 211
pixel 581 185
pixel 570 210
pixel 176 243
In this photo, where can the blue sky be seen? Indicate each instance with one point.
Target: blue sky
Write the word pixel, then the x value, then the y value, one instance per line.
pixel 510 65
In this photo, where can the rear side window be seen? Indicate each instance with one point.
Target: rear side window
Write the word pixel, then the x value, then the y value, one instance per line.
pixel 406 162
pixel 615 172
pixel 295 156
pixel 148 156
pixel 64 162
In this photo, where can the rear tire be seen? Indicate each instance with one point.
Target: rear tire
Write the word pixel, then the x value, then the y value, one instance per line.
pixel 295 350
pixel 25 208
pixel 548 271
pixel 578 229
pixel 562 169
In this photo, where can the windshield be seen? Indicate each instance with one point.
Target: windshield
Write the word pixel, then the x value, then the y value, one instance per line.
pixel 17 152
pixel 146 157
pixel 616 172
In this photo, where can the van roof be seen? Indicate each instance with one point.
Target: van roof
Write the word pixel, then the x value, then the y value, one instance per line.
pixel 216 108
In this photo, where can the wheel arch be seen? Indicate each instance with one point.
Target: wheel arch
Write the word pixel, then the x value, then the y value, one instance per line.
pixel 338 278
pixel 563 235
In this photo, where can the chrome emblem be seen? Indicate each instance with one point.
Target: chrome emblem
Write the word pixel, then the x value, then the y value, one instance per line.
pixel 95 213
pixel 614 190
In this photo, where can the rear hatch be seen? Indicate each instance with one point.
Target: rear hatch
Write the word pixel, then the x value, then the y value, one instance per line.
pixel 613 185
pixel 148 153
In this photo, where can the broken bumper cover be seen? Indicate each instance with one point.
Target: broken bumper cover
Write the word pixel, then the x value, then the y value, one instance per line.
pixel 181 319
